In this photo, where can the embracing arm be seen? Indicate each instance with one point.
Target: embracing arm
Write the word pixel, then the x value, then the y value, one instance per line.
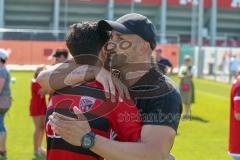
pixel 156 140
pixel 156 143
pixel 63 75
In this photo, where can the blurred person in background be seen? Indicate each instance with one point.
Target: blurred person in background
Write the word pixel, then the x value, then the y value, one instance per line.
pixel 234 134
pixel 5 100
pixel 60 56
pixel 224 67
pixel 186 73
pixel 234 67
pixel 38 109
pixel 164 64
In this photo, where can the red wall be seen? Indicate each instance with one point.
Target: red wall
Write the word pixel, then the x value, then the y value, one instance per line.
pixel 30 52
pixel 118 1
pixel 38 52
pixel 171 52
pixel 207 3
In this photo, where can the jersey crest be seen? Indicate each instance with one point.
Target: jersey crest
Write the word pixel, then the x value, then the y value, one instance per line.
pixel 86 103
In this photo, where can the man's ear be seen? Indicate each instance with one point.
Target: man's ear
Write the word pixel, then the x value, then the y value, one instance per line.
pixel 145 48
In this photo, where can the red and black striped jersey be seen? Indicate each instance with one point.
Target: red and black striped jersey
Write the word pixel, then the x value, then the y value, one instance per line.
pixel 119 121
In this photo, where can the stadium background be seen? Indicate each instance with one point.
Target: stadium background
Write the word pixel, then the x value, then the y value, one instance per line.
pixel 28 25
pixel 206 30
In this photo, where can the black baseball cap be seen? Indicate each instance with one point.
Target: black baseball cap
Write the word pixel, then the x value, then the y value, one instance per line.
pixel 132 23
pixel 60 52
pixel 158 49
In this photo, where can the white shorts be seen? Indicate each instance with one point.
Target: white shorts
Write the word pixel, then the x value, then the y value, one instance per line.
pixel 234 155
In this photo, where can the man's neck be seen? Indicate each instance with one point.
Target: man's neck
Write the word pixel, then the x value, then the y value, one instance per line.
pixel 131 73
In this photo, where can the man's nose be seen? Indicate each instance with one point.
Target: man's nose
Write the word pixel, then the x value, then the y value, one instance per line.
pixel 110 46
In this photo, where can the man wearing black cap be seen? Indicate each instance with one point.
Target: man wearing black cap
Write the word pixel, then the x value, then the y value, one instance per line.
pixel 130 48
pixel 164 64
pixel 60 55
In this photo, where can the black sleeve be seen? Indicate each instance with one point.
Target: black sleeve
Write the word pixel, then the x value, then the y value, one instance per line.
pixel 169 64
pixel 164 110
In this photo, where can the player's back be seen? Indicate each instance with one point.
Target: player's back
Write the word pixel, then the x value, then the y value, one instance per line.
pixel 107 119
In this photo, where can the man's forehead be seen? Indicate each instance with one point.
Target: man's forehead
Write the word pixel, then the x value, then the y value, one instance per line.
pixel 116 33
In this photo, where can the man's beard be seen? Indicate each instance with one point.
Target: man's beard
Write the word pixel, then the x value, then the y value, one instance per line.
pixel 114 62
pixel 118 61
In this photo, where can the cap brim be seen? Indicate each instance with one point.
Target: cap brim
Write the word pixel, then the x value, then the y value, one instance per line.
pixel 4 54
pixel 113 25
pixel 55 55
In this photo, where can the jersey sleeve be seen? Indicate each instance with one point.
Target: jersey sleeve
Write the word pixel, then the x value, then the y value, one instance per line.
pixel 236 100
pixel 35 87
pixel 126 122
pixel 169 64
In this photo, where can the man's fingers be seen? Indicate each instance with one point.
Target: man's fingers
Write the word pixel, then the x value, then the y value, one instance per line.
pixel 61 128
pixel 122 90
pixel 119 88
pixel 76 110
pixel 52 120
pixel 79 113
pixel 102 77
pixel 112 90
pixel 126 92
pixel 58 122
pixel 60 116
pixel 59 131
pixel 120 99
pixel 106 90
pixel 53 126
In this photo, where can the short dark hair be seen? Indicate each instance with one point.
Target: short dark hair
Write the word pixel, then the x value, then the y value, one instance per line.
pixel 85 38
pixel 3 61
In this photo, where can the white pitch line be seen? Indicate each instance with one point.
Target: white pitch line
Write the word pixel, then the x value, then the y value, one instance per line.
pixel 214 95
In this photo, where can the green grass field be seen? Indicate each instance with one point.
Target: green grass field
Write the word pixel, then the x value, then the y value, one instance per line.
pixel 203 138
